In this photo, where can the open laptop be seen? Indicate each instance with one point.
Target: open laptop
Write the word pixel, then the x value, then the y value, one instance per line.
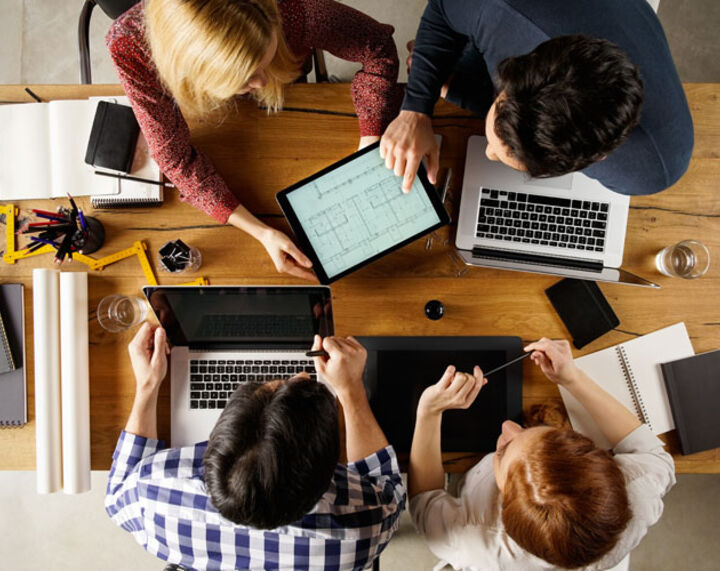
pixel 223 336
pixel 570 226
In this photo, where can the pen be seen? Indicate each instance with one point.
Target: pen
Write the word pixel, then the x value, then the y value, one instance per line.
pixel 83 224
pixel 319 353
pixel 31 94
pixel 135 178
pixel 49 215
pixel 74 206
pixel 35 246
pixel 520 358
pixel 48 242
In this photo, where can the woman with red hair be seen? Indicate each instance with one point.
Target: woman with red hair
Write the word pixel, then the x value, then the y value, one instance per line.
pixel 547 498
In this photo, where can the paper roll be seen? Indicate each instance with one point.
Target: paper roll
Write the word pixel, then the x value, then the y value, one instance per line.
pixel 75 382
pixel 47 379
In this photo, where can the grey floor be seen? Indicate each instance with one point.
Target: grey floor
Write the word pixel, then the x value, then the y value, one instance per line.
pixel 61 532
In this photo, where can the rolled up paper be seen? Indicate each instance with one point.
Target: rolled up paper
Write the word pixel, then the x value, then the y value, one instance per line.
pixel 75 382
pixel 47 379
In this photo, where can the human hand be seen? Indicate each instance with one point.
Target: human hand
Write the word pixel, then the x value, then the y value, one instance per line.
pixel 367 140
pixel 406 141
pixel 454 390
pixel 148 355
pixel 554 358
pixel 344 365
pixel 286 256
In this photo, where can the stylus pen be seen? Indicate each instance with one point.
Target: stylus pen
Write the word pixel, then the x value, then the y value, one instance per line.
pixel 319 353
pixel 136 179
pixel 520 358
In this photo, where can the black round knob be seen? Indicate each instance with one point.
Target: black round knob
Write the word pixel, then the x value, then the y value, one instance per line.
pixel 434 309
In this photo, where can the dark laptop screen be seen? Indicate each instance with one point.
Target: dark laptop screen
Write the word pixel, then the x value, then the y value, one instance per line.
pixel 242 316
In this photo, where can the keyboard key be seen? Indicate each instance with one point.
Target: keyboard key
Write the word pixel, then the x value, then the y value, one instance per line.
pixel 194 394
pixel 493 194
pixel 194 404
pixel 551 200
pixel 586 205
pixel 548 210
pixel 211 404
pixel 483 228
pixel 598 224
pixel 521 197
pixel 205 395
pixel 203 404
pixel 551 219
pixel 592 215
pixel 598 233
pixel 604 207
pixel 566 212
pixel 227 386
pixel 574 213
pixel 595 206
pixel 602 216
pixel 221 403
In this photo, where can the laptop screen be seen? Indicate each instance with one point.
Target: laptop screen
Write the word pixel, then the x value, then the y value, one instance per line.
pixel 242 316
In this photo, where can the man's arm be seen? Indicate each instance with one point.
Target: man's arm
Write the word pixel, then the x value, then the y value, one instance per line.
pixel 555 360
pixel 453 390
pixel 148 355
pixel 343 369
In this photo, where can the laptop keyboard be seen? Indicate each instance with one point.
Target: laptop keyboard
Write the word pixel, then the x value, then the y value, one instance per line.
pixel 543 220
pixel 212 382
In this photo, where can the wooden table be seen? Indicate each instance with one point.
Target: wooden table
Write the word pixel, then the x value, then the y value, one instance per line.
pixel 259 155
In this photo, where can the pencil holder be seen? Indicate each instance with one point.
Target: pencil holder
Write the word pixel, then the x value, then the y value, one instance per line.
pixel 93 241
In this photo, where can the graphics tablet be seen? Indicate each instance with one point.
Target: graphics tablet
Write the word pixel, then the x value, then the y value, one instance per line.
pixel 354 211
pixel 399 369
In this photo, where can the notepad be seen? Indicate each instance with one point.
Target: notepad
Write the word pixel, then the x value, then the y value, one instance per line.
pixel 631 373
pixel 13 393
pixel 42 151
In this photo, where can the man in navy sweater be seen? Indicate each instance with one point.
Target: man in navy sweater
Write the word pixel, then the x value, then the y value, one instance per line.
pixel 565 86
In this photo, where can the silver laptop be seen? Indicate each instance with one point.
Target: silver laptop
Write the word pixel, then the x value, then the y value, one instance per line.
pixel 570 226
pixel 223 336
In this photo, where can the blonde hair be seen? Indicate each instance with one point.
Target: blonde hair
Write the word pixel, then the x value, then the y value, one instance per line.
pixel 205 51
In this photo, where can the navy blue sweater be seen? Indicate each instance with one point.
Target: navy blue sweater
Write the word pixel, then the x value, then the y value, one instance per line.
pixel 657 152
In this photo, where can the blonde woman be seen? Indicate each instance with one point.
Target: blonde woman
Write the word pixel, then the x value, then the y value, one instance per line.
pixel 179 58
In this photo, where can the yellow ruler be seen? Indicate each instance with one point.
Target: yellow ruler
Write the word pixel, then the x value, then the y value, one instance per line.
pixel 137 249
pixel 10 212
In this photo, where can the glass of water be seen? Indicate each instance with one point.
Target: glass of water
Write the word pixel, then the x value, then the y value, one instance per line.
pixel 687 259
pixel 120 312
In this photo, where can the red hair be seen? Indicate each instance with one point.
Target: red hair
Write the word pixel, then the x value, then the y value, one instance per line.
pixel 565 501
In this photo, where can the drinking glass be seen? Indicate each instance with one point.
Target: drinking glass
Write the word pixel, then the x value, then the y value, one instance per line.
pixel 688 259
pixel 120 312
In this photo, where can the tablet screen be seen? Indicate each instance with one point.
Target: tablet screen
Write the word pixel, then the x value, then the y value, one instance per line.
pixel 358 210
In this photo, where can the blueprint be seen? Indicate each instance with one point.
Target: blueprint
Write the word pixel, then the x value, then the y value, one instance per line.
pixel 358 211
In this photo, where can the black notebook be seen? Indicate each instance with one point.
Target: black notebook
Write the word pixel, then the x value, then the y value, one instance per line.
pixel 13 395
pixel 693 387
pixel 113 137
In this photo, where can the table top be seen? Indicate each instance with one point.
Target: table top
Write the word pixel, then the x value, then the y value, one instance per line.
pixel 260 155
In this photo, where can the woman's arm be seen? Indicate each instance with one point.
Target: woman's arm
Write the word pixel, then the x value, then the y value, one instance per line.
pixel 168 138
pixel 555 360
pixel 453 390
pixel 353 36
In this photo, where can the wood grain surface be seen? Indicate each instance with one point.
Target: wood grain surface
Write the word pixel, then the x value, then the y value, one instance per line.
pixel 260 155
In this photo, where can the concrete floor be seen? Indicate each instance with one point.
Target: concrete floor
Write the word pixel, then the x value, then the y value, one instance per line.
pixel 40 46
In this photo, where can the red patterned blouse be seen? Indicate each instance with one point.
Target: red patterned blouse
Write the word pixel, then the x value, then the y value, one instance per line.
pixel 307 24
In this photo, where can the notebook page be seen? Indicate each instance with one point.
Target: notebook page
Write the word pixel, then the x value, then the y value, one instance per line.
pixel 70 125
pixel 605 369
pixel 24 151
pixel 644 356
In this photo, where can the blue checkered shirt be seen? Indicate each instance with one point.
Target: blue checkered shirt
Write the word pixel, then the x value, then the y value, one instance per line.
pixel 158 494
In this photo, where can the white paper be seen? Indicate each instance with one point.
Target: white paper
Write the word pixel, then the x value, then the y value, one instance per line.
pixel 75 382
pixel 24 151
pixel 47 379
pixel 42 151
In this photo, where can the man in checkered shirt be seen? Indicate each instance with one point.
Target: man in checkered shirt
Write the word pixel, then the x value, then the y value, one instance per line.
pixel 266 491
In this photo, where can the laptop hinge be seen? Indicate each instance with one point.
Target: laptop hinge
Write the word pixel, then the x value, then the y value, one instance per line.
pixel 538 259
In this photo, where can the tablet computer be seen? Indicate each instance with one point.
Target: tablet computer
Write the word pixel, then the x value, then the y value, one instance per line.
pixel 399 369
pixel 354 212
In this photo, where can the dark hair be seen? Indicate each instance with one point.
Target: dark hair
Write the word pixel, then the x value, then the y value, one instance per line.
pixel 566 104
pixel 565 501
pixel 272 453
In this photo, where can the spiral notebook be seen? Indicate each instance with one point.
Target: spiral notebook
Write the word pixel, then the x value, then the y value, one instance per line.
pixel 133 194
pixel 13 394
pixel 631 373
